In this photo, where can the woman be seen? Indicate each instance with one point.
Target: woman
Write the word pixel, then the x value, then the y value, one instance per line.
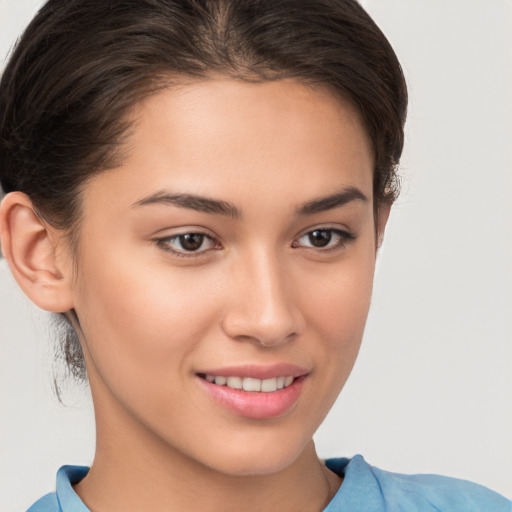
pixel 199 189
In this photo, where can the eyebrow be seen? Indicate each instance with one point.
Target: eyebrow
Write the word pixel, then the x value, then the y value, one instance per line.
pixel 192 202
pixel 324 204
pixel 218 207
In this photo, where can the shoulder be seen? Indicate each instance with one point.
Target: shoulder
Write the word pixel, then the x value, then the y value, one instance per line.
pixel 434 492
pixel 48 503
pixel 394 492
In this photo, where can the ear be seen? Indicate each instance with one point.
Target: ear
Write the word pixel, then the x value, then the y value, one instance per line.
pixel 36 253
pixel 381 219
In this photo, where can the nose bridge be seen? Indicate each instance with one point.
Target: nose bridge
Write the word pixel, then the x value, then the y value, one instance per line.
pixel 263 304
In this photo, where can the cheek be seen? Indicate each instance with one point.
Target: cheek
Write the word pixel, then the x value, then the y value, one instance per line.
pixel 340 298
pixel 338 308
pixel 135 317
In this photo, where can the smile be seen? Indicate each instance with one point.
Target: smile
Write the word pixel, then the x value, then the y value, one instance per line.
pixel 253 391
pixel 251 384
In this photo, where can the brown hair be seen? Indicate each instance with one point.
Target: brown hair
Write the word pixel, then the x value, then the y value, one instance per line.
pixel 82 65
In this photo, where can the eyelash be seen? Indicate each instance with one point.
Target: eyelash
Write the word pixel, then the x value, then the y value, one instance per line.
pixel 344 238
pixel 164 243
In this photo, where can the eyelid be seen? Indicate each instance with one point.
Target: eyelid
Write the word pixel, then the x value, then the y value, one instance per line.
pixel 346 236
pixel 163 242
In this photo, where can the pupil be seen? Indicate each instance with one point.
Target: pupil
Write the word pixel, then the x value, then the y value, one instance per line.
pixel 191 241
pixel 320 238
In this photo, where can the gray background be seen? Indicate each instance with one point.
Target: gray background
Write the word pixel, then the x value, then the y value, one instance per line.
pixel 432 390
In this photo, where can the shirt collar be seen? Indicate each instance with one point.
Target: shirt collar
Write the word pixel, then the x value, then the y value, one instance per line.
pixel 359 490
pixel 69 500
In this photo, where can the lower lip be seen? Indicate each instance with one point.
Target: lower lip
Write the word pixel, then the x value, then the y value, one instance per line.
pixel 255 405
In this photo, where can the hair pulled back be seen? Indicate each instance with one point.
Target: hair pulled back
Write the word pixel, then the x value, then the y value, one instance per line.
pixel 81 66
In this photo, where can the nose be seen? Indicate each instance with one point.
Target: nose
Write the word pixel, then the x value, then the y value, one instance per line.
pixel 263 306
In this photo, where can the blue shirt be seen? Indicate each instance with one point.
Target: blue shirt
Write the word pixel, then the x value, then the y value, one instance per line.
pixel 364 489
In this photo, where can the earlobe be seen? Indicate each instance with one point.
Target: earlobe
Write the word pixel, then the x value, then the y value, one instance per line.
pixel 35 254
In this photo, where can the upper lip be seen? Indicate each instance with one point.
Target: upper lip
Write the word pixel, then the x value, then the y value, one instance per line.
pixel 258 371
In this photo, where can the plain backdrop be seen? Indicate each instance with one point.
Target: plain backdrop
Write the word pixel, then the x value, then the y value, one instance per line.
pixel 432 389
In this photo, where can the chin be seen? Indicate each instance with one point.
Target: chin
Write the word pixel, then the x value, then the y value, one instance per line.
pixel 254 459
pixel 257 466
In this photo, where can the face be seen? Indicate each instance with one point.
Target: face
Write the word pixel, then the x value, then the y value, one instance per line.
pixel 235 247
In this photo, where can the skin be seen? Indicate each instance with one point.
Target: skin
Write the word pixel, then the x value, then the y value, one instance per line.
pixel 257 293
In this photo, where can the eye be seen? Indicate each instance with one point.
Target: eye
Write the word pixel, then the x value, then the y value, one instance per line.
pixel 324 238
pixel 187 244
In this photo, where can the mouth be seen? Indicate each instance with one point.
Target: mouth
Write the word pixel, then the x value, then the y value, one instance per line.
pixel 270 385
pixel 257 393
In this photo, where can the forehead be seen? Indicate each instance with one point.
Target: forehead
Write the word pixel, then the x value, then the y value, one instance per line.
pixel 224 137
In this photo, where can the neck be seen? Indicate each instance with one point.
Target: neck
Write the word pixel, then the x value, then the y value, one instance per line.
pixel 150 475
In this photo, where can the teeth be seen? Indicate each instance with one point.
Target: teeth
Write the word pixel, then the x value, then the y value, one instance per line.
pixel 234 382
pixel 269 385
pixel 251 384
